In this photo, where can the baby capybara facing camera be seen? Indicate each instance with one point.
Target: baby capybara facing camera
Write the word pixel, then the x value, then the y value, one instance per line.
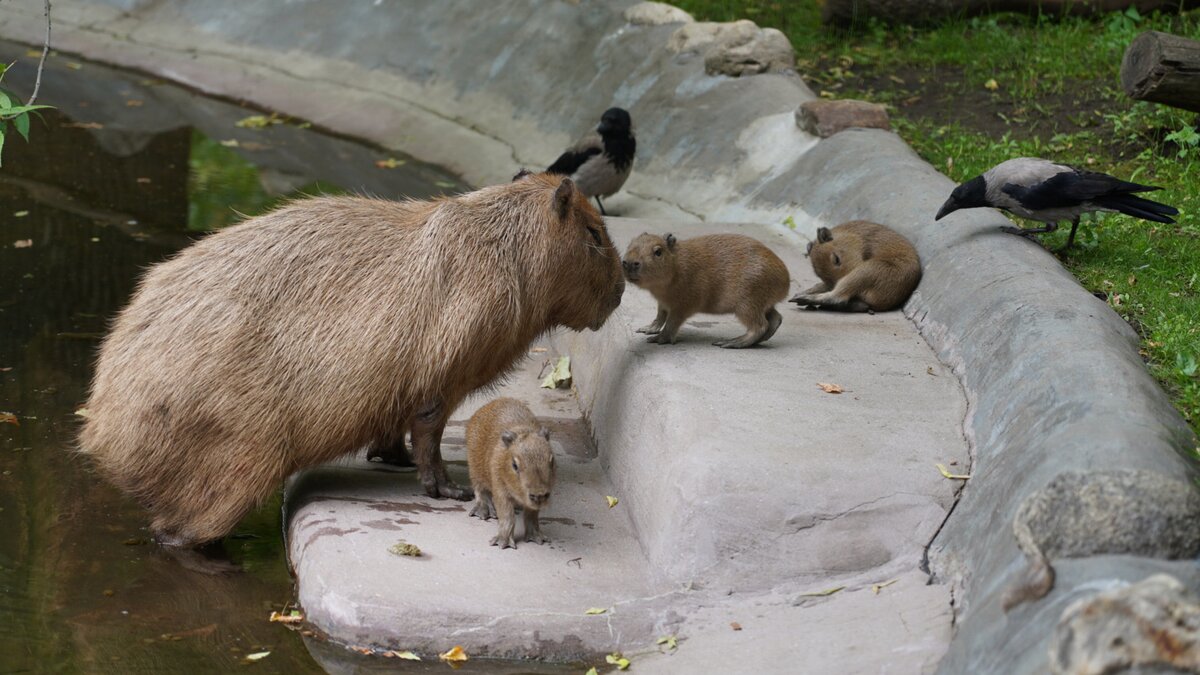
pixel 306 333
pixel 511 464
pixel 711 274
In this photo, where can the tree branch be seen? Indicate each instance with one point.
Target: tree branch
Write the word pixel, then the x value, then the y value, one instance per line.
pixel 37 83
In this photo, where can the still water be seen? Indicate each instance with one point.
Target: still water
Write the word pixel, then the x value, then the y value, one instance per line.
pixel 126 171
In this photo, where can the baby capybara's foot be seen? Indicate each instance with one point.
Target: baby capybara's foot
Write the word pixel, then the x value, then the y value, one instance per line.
pixel 504 542
pixel 483 508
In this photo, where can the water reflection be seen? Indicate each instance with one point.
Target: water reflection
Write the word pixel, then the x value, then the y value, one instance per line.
pixel 126 172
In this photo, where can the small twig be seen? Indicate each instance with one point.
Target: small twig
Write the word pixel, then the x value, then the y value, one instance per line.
pixel 37 83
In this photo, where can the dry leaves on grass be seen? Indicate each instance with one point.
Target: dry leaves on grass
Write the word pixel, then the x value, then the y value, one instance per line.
pixel 294 616
pixel 830 388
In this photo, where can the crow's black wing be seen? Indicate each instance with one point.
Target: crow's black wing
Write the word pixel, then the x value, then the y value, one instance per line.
pixel 1071 188
pixel 570 161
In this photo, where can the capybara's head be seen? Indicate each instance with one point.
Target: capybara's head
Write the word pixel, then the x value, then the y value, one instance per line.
pixel 529 466
pixel 586 267
pixel 650 259
pixel 834 257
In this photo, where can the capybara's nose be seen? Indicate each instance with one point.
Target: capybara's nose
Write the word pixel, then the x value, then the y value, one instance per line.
pixel 539 499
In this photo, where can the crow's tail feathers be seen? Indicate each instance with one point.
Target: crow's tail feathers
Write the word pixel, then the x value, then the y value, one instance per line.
pixel 1138 207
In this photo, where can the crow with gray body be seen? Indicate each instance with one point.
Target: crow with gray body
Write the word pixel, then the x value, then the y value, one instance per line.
pixel 600 162
pixel 1049 192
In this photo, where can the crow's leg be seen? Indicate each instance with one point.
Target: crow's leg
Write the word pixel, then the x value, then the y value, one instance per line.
pixel 1071 237
pixel 598 203
pixel 1028 232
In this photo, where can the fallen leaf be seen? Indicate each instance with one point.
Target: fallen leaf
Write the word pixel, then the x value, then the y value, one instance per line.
pixel 293 616
pixel 882 585
pixel 133 103
pixel 929 371
pixel 258 121
pixel 821 594
pixel 670 641
pixel 991 85
pixel 618 660
pixel 404 548
pixel 230 143
pixel 1132 278
pixel 23 243
pixel 390 163
pixel 9 418
pixel 84 413
pixel 953 476
pixel 830 388
pixel 20 214
pixel 143 180
pixel 596 610
pixel 455 655
pixel 363 650
pixel 254 147
pixel 735 625
pixel 560 376
pixel 591 671
pixel 256 656
pixel 406 655
pixel 82 125
pixel 74 66
pixel 5 370
pixel 612 501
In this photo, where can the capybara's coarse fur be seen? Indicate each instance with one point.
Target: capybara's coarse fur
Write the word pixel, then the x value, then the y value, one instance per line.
pixel 329 324
pixel 863 266
pixel 511 464
pixel 712 274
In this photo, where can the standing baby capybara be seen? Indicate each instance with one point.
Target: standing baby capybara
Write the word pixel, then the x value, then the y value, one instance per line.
pixel 306 333
pixel 713 274
pixel 511 464
pixel 863 266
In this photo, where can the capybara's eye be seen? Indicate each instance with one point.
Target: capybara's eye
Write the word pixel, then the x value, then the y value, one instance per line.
pixel 657 251
pixel 596 235
pixel 836 259
pixel 515 467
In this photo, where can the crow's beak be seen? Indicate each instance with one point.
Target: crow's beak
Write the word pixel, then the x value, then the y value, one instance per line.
pixel 947 208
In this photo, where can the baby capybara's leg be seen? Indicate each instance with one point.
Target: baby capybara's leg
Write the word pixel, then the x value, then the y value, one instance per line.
pixel 756 324
pixel 427 429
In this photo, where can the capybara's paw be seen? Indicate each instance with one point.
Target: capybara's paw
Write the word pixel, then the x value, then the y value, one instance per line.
pixel 482 510
pixel 503 542
pixel 537 538
pixel 650 329
pixel 448 490
pixel 802 299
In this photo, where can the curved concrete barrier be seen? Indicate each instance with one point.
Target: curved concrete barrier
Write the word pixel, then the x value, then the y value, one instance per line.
pixel 1052 379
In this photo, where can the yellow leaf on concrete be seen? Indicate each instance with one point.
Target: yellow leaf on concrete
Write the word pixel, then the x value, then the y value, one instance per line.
pixel 952 476
pixel 406 655
pixel 612 501
pixel 830 388
pixel 404 548
pixel 455 655
pixel 560 377
pixel 618 660
pixel 390 163
pixel 882 585
pixel 596 610
pixel 821 594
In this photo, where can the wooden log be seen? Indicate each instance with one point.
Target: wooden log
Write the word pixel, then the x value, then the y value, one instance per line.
pixel 1163 68
pixel 845 12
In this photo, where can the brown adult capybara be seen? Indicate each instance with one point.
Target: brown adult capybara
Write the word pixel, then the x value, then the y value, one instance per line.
pixel 863 266
pixel 301 335
pixel 713 274
pixel 511 464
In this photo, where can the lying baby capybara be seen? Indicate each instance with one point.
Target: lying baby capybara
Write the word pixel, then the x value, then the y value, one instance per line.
pixel 512 465
pixel 713 274
pixel 329 324
pixel 863 266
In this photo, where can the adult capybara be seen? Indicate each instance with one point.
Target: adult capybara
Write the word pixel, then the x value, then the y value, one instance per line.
pixel 303 334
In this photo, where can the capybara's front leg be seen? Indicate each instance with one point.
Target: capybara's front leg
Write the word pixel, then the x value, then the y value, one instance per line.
pixel 507 515
pixel 533 529
pixel 656 325
pixel 427 452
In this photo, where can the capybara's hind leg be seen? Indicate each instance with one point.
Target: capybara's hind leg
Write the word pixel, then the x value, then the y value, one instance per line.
pixel 756 327
pixel 484 508
pixel 427 429
pixel 774 319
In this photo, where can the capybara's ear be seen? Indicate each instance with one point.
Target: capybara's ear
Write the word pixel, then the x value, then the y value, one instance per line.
pixel 521 174
pixel 671 241
pixel 563 196
pixel 545 433
pixel 824 235
pixel 507 438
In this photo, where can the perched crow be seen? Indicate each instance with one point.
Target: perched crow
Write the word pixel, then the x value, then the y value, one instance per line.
pixel 1042 190
pixel 600 162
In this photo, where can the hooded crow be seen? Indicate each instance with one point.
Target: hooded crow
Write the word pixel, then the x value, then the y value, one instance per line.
pixel 600 162
pixel 1049 192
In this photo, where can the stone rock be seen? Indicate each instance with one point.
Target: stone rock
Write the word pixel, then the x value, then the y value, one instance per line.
pixel 766 51
pixel 824 118
pixel 695 37
pixel 1152 626
pixel 656 14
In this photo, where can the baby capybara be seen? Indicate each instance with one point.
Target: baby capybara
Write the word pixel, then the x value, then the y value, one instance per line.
pixel 711 274
pixel 863 266
pixel 306 333
pixel 511 464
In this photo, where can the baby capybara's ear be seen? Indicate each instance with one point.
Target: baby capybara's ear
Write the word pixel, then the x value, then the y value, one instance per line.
pixel 824 235
pixel 563 196
pixel 521 174
pixel 507 438
pixel 671 241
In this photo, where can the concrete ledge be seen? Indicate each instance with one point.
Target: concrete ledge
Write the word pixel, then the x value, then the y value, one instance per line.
pixel 1051 375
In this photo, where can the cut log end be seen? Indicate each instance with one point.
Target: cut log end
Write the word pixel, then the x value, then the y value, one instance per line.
pixel 1163 68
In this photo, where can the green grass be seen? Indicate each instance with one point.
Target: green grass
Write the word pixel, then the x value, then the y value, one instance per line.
pixel 971 92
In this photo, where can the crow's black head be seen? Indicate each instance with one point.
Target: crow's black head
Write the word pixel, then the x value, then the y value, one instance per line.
pixel 969 195
pixel 614 121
